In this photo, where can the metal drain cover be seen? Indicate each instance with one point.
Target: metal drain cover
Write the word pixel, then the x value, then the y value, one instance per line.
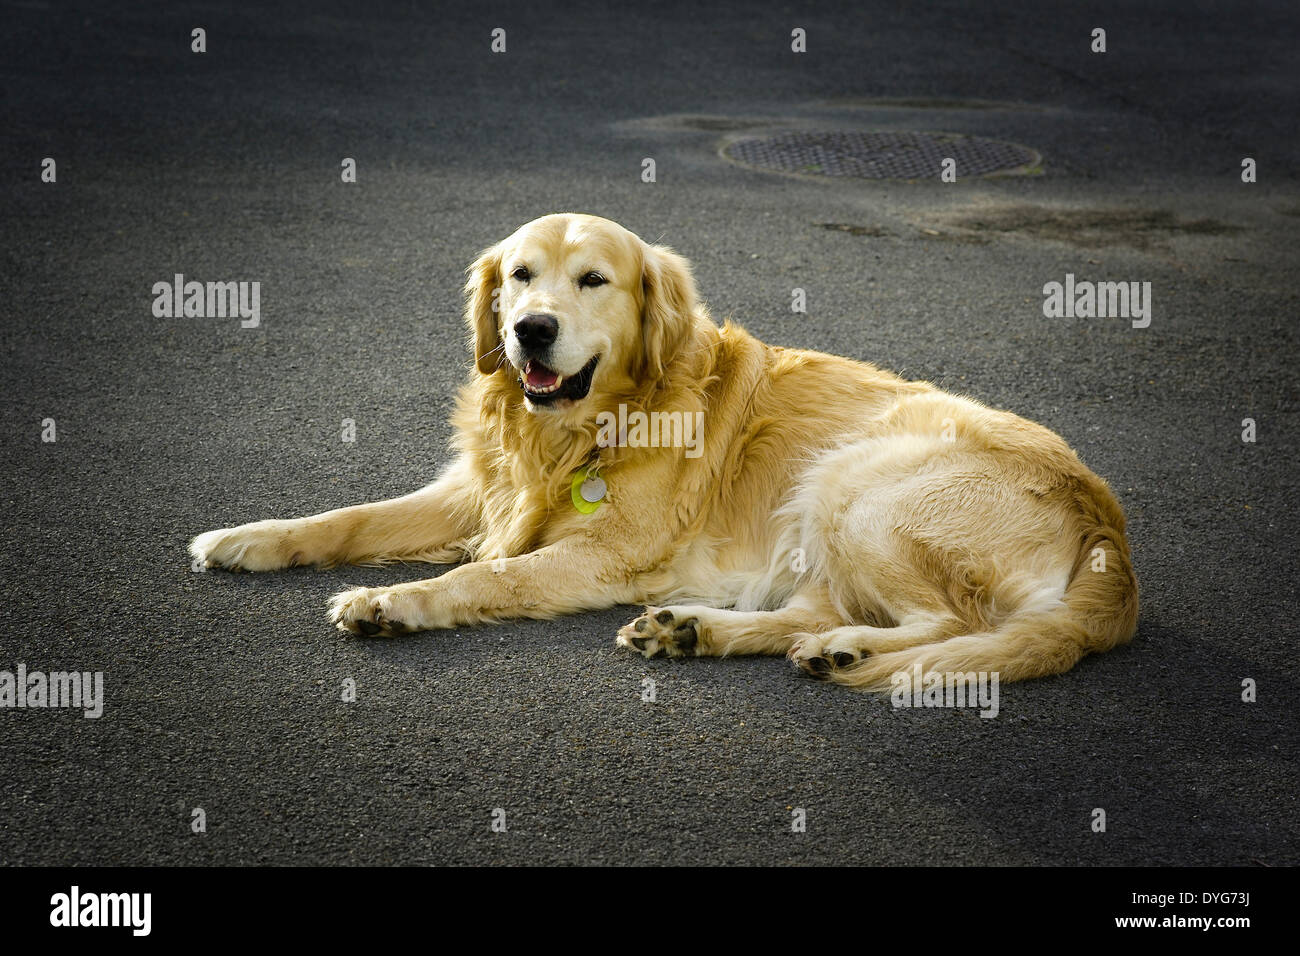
pixel 878 155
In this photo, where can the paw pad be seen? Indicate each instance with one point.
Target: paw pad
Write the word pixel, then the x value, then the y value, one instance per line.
pixel 658 633
pixel 811 654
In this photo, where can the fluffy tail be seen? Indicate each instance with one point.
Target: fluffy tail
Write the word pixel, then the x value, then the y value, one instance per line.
pixel 1098 611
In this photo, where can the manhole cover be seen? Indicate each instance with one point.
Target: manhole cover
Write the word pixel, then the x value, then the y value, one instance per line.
pixel 878 155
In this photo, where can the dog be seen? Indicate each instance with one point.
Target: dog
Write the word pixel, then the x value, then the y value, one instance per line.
pixel 824 509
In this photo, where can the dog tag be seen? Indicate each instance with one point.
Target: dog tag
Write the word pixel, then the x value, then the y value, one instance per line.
pixel 592 490
pixel 586 492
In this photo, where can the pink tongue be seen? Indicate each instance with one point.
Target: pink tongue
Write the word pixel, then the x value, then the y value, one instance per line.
pixel 539 376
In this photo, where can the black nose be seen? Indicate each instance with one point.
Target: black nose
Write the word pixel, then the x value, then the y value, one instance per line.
pixel 536 331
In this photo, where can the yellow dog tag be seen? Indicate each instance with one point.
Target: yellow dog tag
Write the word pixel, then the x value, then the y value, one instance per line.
pixel 586 490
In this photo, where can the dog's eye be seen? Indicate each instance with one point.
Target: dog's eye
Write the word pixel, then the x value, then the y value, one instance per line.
pixel 591 280
pixel 522 274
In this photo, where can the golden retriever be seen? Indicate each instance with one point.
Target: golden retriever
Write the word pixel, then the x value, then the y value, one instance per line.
pixel 616 446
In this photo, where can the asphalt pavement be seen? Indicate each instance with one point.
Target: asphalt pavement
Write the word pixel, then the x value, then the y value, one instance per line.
pixel 226 693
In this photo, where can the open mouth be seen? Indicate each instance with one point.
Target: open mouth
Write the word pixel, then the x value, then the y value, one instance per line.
pixel 544 386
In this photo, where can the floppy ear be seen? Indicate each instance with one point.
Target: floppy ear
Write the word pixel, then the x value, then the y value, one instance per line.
pixel 481 305
pixel 669 309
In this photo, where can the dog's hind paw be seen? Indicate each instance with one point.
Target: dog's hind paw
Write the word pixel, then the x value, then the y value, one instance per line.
pixel 662 631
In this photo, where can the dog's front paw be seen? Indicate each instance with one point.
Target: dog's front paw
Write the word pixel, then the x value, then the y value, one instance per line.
pixel 260 546
pixel 818 654
pixel 662 631
pixel 368 611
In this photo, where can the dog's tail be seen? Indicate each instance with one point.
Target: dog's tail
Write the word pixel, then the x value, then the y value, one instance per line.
pixel 1098 611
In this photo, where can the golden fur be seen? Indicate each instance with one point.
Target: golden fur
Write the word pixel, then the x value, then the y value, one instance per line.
pixel 857 522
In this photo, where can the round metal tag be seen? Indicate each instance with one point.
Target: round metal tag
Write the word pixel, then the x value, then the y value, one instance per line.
pixel 592 490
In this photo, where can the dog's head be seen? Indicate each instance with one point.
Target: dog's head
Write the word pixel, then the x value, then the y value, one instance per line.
pixel 571 305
